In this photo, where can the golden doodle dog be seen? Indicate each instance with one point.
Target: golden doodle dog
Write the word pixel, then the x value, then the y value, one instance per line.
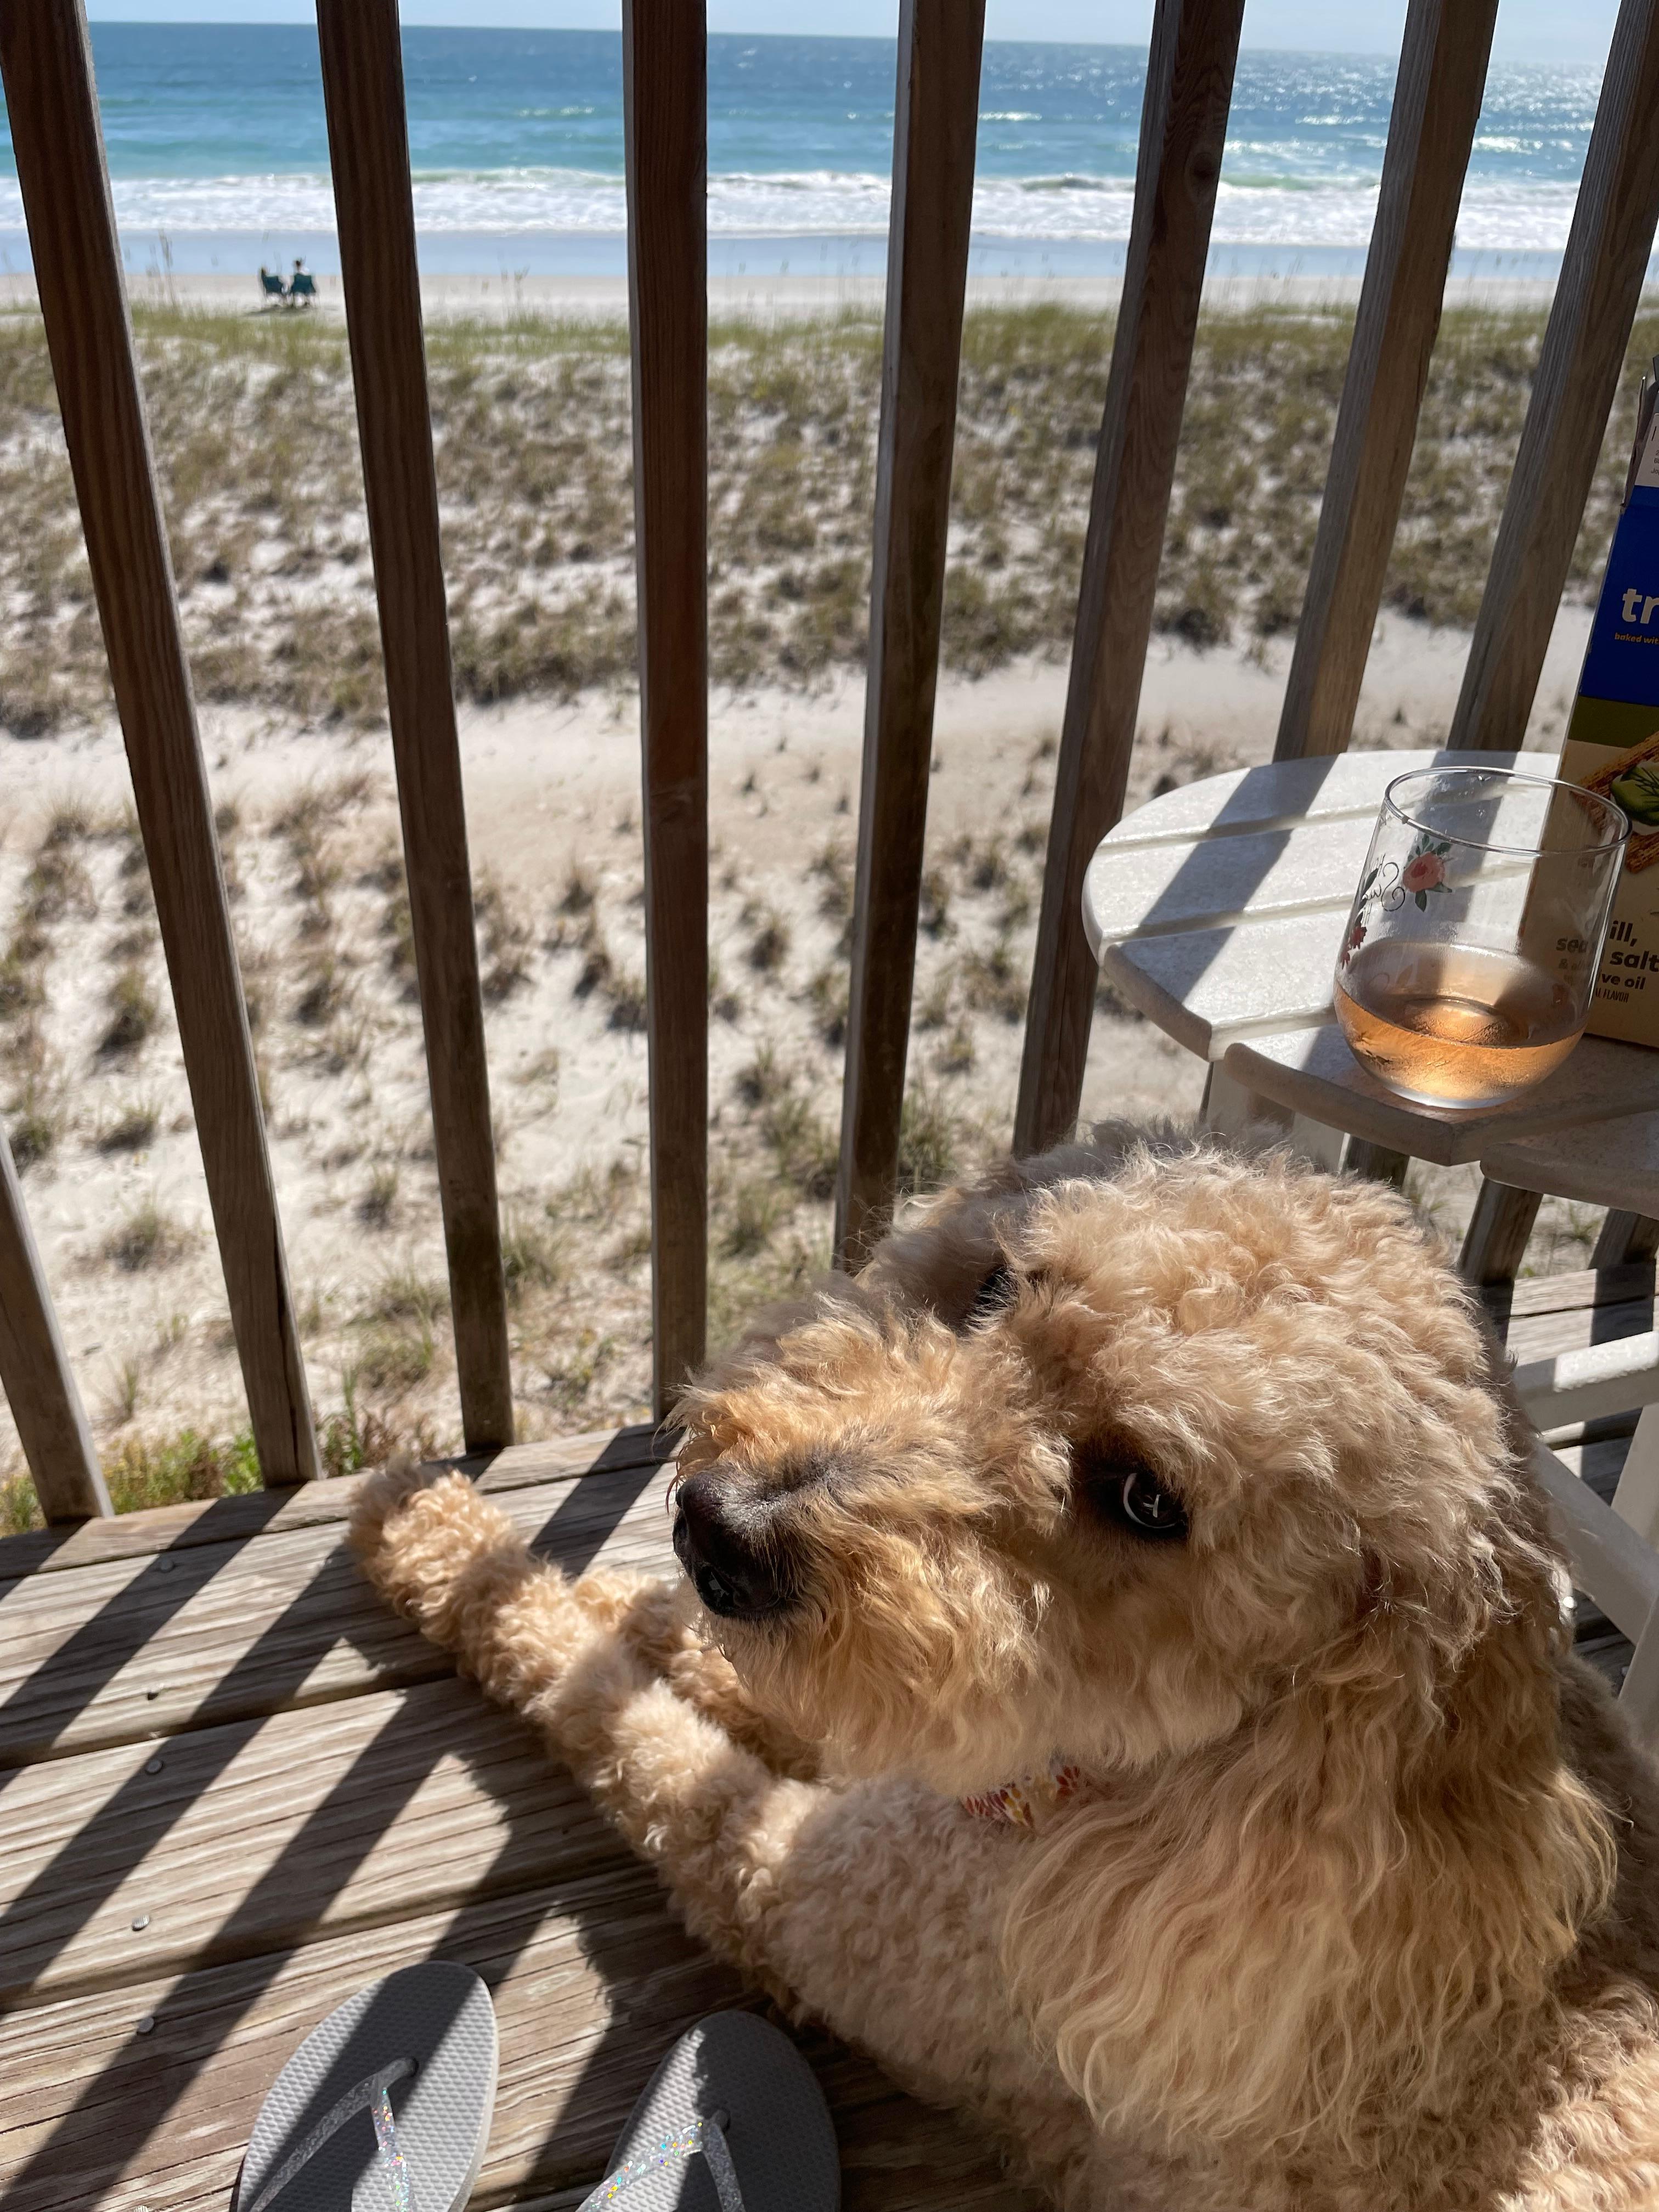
pixel 1126 1690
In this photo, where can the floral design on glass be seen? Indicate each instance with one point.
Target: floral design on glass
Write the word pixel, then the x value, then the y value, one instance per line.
pixel 1425 871
pixel 1389 885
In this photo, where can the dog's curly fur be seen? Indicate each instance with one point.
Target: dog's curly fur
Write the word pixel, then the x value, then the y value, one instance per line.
pixel 1357 1906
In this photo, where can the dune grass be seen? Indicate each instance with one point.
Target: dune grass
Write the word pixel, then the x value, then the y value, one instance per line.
pixel 256 445
pixel 185 1464
pixel 151 1471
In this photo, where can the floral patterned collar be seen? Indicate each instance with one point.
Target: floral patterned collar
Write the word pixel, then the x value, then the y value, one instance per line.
pixel 1022 1803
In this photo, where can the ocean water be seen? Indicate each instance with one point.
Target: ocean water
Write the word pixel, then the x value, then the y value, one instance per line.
pixel 219 158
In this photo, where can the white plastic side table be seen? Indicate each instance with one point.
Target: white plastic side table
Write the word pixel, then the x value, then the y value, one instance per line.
pixel 1218 910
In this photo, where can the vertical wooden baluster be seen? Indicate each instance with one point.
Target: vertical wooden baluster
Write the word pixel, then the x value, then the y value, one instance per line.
pixel 936 121
pixel 1625 1238
pixel 665 92
pixel 1589 326
pixel 368 150
pixel 1495 1243
pixel 1377 1163
pixel 1184 128
pixel 46 62
pixel 1596 298
pixel 1436 104
pixel 35 1374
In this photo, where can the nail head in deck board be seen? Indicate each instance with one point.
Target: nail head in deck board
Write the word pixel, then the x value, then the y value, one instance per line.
pixel 45 58
pixel 274 1623
pixel 368 150
pixel 936 120
pixel 35 1373
pixel 1596 297
pixel 665 79
pixel 1183 129
pixel 1437 106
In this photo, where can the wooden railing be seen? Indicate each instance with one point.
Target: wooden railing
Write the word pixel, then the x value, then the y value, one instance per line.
pixel 374 208
pixel 665 79
pixel 1183 130
pixel 1437 106
pixel 45 57
pixel 936 117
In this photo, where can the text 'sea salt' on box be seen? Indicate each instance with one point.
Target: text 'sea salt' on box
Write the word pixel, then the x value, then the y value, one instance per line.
pixel 1612 742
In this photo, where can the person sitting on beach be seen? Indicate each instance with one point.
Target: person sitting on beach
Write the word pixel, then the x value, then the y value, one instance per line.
pixel 303 285
pixel 273 285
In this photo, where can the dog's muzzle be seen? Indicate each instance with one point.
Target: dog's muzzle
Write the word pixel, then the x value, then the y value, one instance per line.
pixel 728 1547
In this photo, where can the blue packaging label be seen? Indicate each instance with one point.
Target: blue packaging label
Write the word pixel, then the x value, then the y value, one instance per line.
pixel 1623 660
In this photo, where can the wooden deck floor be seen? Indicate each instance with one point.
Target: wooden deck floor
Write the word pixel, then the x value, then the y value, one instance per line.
pixel 233 1788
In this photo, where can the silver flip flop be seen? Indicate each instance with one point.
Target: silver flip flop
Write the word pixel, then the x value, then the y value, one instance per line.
pixel 384 2106
pixel 733 2121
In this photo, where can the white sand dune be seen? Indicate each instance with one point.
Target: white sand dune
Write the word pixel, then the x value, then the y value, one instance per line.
pixel 551 789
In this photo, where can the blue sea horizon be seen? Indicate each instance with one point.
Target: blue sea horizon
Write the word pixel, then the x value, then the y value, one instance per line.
pixel 219 162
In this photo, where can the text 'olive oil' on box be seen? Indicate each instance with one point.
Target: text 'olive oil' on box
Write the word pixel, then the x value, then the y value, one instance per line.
pixel 1612 744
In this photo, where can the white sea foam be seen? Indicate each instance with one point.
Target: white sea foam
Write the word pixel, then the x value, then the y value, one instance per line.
pixel 1273 210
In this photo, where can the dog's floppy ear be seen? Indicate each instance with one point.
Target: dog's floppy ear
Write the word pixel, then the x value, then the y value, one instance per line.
pixel 943 1257
pixel 993 1293
pixel 1321 1918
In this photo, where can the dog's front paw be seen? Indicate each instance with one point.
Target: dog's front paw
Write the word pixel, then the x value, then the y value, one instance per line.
pixel 428 1539
pixel 380 1496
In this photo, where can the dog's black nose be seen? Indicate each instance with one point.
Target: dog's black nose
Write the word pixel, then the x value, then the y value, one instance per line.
pixel 726 1546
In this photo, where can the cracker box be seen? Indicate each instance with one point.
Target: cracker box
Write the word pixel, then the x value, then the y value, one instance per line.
pixel 1613 740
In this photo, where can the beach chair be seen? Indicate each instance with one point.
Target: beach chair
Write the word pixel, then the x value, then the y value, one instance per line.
pixel 273 285
pixel 303 289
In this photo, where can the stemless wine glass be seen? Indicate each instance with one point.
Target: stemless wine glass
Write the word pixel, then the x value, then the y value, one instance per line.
pixel 1471 949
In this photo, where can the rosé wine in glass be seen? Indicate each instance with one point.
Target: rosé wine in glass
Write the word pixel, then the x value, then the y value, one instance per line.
pixel 1469 961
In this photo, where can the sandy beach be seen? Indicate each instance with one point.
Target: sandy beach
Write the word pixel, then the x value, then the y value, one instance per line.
pixel 505 294
pixel 252 426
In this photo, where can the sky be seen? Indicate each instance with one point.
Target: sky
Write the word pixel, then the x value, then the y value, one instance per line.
pixel 1527 30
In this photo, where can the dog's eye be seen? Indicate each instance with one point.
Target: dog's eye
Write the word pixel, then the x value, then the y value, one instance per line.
pixel 1147 1507
pixel 1123 1490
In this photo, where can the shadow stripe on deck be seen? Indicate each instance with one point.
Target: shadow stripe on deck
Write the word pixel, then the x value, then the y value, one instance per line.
pixel 326 1801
